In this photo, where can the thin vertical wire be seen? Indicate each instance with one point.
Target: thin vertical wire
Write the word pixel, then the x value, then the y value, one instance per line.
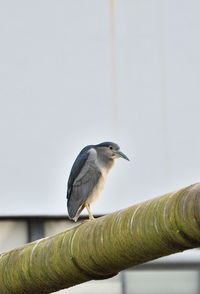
pixel 112 9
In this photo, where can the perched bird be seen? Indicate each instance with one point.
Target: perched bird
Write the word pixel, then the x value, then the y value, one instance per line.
pixel 87 176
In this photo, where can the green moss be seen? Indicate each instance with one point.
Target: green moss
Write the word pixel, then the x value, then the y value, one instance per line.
pixel 101 248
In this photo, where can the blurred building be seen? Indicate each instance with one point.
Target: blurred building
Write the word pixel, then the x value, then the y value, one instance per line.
pixel 74 73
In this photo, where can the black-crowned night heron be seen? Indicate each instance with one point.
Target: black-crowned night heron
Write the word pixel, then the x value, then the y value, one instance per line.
pixel 87 176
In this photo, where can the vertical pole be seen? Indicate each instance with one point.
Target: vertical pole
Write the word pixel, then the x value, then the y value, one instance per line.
pixel 35 229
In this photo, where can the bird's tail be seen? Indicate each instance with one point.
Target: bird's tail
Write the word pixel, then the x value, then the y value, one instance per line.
pixel 74 214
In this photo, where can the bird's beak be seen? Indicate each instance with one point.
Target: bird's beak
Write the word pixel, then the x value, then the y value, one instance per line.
pixel 121 154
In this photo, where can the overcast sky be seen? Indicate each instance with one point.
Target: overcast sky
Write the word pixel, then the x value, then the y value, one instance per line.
pixel 74 73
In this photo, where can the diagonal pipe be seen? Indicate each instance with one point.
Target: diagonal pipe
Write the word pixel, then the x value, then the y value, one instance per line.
pixel 101 248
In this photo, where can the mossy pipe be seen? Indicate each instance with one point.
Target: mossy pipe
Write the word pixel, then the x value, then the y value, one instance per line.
pixel 101 248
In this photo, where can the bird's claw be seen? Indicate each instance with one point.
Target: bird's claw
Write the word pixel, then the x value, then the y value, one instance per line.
pixel 88 220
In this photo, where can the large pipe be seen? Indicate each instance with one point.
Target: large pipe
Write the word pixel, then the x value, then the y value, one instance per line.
pixel 101 248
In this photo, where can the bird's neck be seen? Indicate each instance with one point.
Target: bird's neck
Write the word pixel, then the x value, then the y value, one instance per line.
pixel 105 163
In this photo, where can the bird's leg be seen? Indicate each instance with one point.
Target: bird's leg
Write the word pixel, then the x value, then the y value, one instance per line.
pixel 91 217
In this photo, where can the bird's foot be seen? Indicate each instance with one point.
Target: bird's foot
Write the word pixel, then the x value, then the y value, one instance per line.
pixel 88 220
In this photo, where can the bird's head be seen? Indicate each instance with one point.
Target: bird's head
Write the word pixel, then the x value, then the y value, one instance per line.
pixel 110 150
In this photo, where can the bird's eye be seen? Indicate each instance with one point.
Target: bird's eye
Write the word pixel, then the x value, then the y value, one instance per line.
pixel 110 147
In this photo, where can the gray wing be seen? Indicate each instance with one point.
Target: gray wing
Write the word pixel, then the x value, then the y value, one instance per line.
pixel 77 167
pixel 83 185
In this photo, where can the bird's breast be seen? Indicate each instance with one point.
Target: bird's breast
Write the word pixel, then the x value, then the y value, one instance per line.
pixel 98 188
pixel 101 182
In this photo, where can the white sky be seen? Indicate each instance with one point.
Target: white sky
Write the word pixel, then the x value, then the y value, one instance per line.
pixel 74 73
